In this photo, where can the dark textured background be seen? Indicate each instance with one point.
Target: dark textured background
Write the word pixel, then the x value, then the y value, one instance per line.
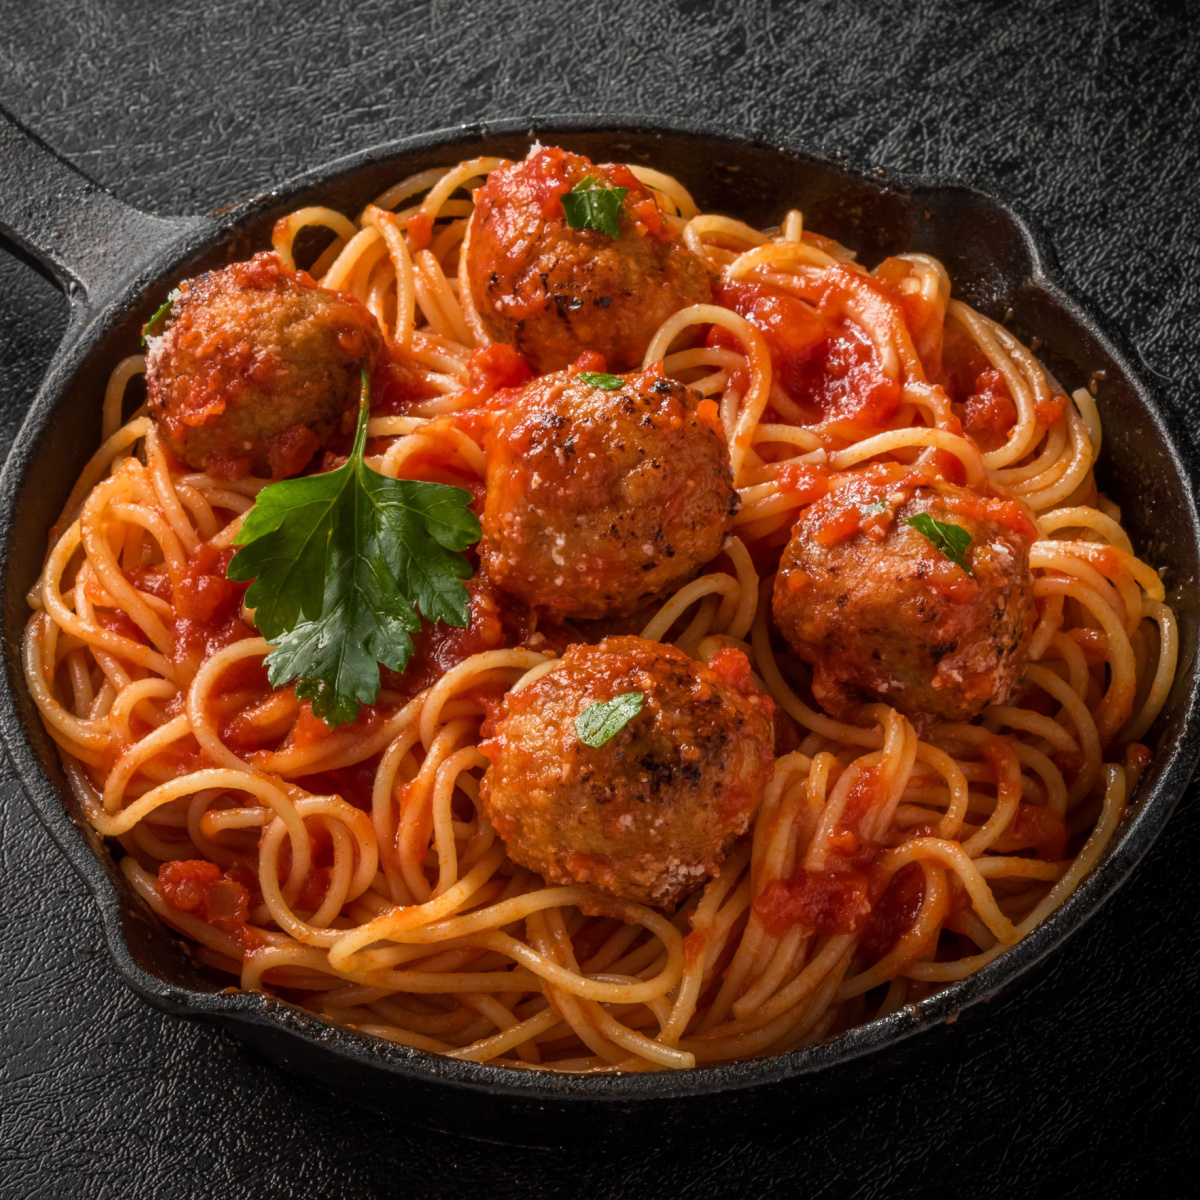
pixel 1082 1080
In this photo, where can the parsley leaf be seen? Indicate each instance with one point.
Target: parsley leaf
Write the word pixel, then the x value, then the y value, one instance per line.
pixel 161 313
pixel 600 379
pixel 602 721
pixel 589 206
pixel 341 564
pixel 951 540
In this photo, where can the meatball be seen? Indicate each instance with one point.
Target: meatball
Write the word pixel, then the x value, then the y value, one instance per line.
pixel 258 369
pixel 600 501
pixel 651 813
pixel 552 291
pixel 882 614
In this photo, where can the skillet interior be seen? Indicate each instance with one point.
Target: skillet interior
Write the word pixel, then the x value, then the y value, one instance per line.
pixel 997 263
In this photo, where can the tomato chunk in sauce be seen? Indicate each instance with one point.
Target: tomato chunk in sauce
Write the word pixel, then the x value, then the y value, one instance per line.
pixel 200 888
pixel 825 364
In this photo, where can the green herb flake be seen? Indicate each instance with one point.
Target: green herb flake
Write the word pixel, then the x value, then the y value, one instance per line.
pixel 589 206
pixel 610 383
pixel 602 721
pixel 870 510
pixel 161 313
pixel 951 540
pixel 342 564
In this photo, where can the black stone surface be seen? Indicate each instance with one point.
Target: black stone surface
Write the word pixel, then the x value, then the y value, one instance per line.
pixel 1082 1079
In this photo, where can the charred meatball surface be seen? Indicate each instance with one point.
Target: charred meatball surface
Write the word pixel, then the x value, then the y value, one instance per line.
pixel 651 813
pixel 599 501
pixel 258 369
pixel 552 291
pixel 881 614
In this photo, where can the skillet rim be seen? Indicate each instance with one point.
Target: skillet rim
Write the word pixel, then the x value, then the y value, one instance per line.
pixel 244 1012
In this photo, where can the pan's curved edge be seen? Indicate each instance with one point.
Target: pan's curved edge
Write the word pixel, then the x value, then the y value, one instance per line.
pixel 254 1010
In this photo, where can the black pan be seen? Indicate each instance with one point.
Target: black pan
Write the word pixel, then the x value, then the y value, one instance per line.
pixel 116 265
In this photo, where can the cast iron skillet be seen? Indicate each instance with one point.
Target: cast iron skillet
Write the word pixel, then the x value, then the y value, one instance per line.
pixel 116 265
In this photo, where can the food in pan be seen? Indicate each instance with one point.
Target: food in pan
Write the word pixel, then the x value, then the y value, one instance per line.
pixel 561 628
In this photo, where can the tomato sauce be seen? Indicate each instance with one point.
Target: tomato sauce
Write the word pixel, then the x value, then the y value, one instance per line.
pixel 894 912
pixel 1035 828
pixel 117 621
pixel 398 384
pixel 202 889
pixel 821 902
pixel 826 365
pixel 989 414
pixel 807 482
pixel 208 607
pixel 355 784
pixel 439 647
pixel 923 319
pixel 494 373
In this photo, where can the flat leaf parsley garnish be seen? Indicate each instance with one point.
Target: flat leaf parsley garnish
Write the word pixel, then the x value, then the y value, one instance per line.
pixel 600 379
pixel 951 540
pixel 342 562
pixel 602 721
pixel 589 206
pixel 160 314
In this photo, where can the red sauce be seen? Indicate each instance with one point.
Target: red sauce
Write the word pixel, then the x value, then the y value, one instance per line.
pixel 1035 828
pixel 826 365
pixel 313 889
pixel 989 413
pixel 822 902
pixel 834 525
pixel 731 665
pixel 398 383
pixel 542 178
pixel 354 784
pixel 962 364
pixel 1137 757
pixel 694 946
pixel 493 367
pixel 420 229
pixel 1093 643
pixel 806 481
pixel 864 794
pixel 208 607
pixel 1049 412
pixel 494 373
pixel 438 647
pixel 593 360
pixel 894 912
pixel 310 730
pixel 153 580
pixel 1009 513
pixel 202 889
pixel 922 318
pixel 117 621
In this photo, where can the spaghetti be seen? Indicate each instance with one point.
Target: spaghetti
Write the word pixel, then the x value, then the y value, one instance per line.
pixel 353 870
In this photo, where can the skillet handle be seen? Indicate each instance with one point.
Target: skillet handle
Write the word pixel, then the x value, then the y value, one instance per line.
pixel 68 228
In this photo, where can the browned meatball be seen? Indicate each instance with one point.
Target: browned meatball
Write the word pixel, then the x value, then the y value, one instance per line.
pixel 650 814
pixel 552 291
pixel 258 369
pixel 599 501
pixel 884 615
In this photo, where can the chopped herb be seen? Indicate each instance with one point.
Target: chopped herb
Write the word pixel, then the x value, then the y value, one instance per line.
pixel 600 722
pixel 600 379
pixel 876 506
pixel 160 314
pixel 951 540
pixel 342 563
pixel 589 206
